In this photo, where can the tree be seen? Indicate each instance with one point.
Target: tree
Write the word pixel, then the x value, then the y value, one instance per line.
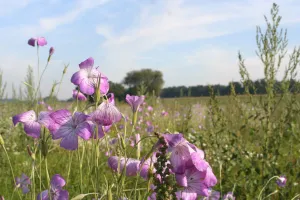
pixel 118 90
pixel 144 81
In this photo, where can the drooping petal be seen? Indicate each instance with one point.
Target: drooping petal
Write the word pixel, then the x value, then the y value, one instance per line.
pixel 41 41
pixel 28 116
pixel 78 95
pixel 210 179
pixel 132 167
pixel 173 139
pixel 116 163
pixel 106 114
pixel 32 129
pixel 57 181
pixel 198 162
pixel 134 101
pixel 179 157
pixel 25 189
pixel 88 63
pixel 31 42
pixel 84 131
pixel 102 130
pixel 70 142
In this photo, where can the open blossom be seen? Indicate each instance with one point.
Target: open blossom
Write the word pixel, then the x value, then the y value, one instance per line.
pixel 150 108
pixel 228 196
pixel 69 127
pixel 56 192
pixel 281 181
pixel 23 183
pixel 107 113
pixel 184 154
pixel 79 95
pixel 135 101
pixel 195 183
pixel 32 123
pixel 212 195
pixel 147 165
pixel 40 41
pixel 87 78
pixel 117 164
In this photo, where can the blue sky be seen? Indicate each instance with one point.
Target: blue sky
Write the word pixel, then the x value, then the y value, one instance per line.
pixel 191 41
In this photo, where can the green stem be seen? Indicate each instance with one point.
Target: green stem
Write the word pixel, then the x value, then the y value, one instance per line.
pixel 259 196
pixel 47 172
pixel 11 168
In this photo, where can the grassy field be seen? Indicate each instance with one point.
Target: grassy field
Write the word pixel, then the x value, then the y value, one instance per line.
pixel 250 143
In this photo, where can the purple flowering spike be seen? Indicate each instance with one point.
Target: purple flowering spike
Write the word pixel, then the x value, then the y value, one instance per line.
pixel 228 196
pixel 41 41
pixel 79 95
pixel 87 78
pixel 31 126
pixel 281 182
pixel 31 42
pixel 69 127
pixel 23 183
pixel 135 101
pixel 56 191
pixel 106 114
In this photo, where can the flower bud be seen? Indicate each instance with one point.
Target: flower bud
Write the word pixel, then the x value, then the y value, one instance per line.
pixel 1 141
pixel 44 148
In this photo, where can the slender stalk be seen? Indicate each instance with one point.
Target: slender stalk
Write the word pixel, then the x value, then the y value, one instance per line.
pixel 47 172
pixel 11 168
pixel 259 196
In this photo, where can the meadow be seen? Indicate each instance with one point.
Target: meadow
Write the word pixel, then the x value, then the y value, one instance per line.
pixel 217 147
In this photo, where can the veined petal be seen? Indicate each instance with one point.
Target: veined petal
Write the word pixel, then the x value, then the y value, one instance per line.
pixel 62 131
pixel 61 116
pixel 79 117
pixel 87 63
pixel 32 129
pixel 210 179
pixel 57 181
pixel 186 194
pixel 174 139
pixel 28 116
pixel 77 77
pixel 61 195
pixel 84 131
pixel 116 163
pixel 106 114
pixel 70 142
pixel 87 86
pixel 43 195
pixel 45 119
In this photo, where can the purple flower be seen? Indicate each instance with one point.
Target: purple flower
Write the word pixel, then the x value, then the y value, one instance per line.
pixel 47 106
pixel 164 113
pixel 150 127
pixel 87 78
pixel 281 181
pixel 51 51
pixel 69 127
pixel 117 164
pixel 23 183
pixel 212 195
pixel 32 123
pixel 41 41
pixel 150 108
pixel 79 95
pixel 228 196
pixel 147 165
pixel 135 101
pixel 56 192
pixel 107 113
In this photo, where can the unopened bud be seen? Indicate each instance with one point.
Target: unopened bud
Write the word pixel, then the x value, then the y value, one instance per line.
pixel 65 69
pixel 1 142
pixel 51 51
pixel 44 148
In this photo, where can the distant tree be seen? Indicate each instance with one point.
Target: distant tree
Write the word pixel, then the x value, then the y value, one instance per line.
pixel 144 81
pixel 118 89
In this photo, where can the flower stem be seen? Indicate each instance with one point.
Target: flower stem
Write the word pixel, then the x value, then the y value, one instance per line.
pixel 259 196
pixel 11 169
